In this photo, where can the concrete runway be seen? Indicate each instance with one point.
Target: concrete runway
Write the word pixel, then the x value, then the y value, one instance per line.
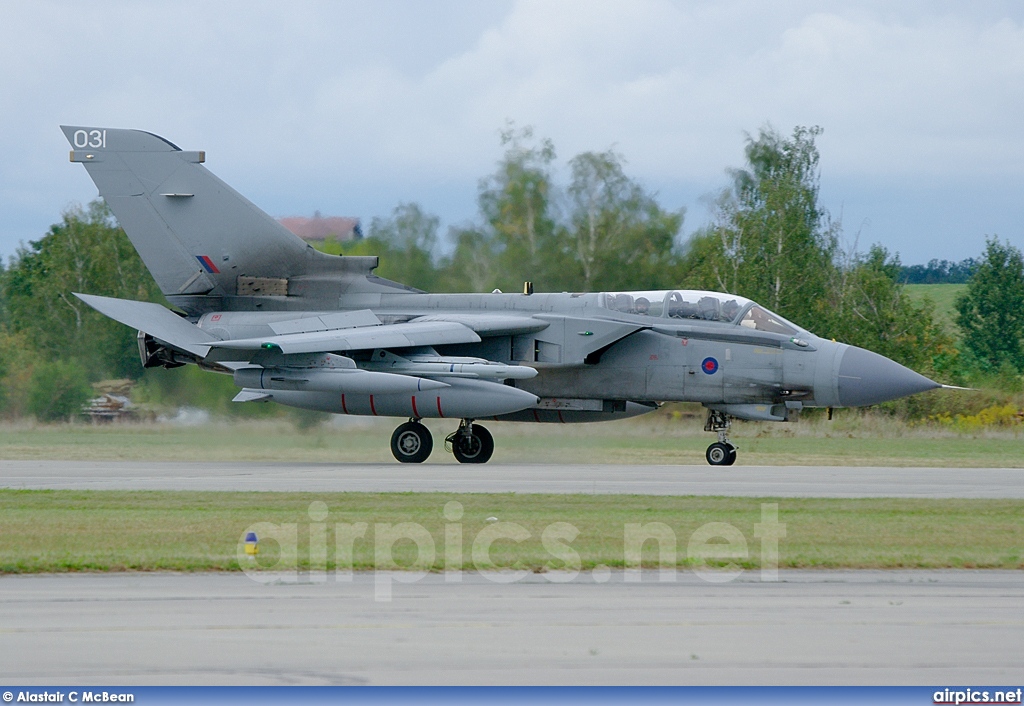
pixel 773 481
pixel 864 627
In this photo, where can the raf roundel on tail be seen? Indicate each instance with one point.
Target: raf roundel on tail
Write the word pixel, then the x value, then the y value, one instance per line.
pixel 302 328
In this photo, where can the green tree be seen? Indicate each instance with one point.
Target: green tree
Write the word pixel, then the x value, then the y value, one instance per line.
pixel 404 243
pixel 517 207
pixel 770 240
pixel 473 266
pixel 16 361
pixel 991 312
pixel 409 240
pixel 872 310
pixel 58 390
pixel 613 234
pixel 85 252
pixel 618 235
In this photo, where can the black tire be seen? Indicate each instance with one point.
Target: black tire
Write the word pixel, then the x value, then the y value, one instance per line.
pixel 476 448
pixel 719 454
pixel 412 443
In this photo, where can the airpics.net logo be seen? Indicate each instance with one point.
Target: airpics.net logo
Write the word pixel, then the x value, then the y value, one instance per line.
pixel 977 696
pixel 713 552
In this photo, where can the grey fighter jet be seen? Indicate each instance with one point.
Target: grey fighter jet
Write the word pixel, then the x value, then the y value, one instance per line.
pixel 321 332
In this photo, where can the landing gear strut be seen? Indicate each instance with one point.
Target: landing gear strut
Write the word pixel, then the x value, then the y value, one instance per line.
pixel 411 442
pixel 721 453
pixel 470 443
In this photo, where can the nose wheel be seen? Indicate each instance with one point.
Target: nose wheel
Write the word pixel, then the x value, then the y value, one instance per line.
pixel 411 442
pixel 470 443
pixel 719 454
pixel 722 452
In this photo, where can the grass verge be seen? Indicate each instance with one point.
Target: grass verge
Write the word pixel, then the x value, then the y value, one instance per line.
pixel 675 437
pixel 62 531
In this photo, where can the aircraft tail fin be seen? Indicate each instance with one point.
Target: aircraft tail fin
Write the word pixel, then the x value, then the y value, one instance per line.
pixel 197 236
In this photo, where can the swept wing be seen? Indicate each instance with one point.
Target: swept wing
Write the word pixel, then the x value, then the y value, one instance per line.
pixel 414 334
pixel 163 324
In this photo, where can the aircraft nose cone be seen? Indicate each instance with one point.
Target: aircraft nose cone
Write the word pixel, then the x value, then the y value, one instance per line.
pixel 866 378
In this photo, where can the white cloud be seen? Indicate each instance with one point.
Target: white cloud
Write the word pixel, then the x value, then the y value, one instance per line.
pixel 352 106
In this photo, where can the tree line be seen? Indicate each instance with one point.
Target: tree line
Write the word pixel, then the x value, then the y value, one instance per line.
pixel 939 272
pixel 769 239
pixel 601 231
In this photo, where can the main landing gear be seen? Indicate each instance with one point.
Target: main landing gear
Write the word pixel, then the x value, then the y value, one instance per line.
pixel 412 442
pixel 470 443
pixel 721 453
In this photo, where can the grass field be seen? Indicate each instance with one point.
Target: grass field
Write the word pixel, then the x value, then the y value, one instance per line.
pixel 57 531
pixel 944 296
pixel 675 437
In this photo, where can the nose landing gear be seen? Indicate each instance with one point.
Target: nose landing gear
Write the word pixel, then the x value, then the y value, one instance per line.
pixel 470 443
pixel 721 453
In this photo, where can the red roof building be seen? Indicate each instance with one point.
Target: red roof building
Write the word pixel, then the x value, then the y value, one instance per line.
pixel 320 228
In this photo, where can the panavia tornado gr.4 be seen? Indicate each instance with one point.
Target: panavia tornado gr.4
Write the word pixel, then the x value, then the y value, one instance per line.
pixel 322 332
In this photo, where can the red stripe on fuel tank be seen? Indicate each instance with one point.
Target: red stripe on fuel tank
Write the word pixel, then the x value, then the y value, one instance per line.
pixel 414 412
pixel 372 408
pixel 343 407
pixel 439 412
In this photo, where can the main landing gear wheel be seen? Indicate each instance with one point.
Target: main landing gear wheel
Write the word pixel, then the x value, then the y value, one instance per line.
pixel 411 442
pixel 719 454
pixel 472 443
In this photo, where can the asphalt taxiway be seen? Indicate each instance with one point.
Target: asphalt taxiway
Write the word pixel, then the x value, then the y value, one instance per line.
pixel 749 481
pixel 828 627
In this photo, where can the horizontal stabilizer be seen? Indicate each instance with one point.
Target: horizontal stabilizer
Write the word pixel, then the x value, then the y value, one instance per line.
pixel 408 335
pixel 158 321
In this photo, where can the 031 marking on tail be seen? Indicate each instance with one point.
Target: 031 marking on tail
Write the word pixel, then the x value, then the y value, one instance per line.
pixel 302 328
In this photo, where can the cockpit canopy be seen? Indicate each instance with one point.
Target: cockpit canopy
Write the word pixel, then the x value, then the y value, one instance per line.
pixel 700 306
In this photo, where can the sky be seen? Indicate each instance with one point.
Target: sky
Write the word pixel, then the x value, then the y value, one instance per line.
pixel 350 108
